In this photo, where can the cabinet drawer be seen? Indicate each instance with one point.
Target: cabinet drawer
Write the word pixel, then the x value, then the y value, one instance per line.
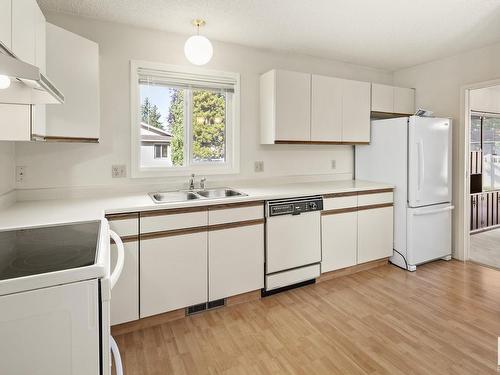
pixel 340 202
pixel 124 225
pixel 157 222
pixel 230 215
pixel 377 198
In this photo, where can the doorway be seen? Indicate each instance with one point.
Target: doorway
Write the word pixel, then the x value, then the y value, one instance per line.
pixel 483 188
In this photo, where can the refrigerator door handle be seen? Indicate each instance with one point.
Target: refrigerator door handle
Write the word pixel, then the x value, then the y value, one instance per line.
pixel 421 170
pixel 449 208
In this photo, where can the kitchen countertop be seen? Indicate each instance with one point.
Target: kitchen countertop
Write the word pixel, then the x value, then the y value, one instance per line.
pixel 56 211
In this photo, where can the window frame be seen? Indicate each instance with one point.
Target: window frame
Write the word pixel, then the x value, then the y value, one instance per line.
pixel 232 130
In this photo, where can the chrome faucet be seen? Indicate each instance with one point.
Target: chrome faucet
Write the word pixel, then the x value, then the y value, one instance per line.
pixel 191 182
pixel 202 183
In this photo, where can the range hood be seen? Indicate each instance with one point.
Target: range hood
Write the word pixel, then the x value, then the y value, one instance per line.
pixel 28 84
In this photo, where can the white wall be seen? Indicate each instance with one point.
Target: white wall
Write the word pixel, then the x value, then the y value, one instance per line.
pixel 438 85
pixel 7 167
pixel 485 100
pixel 60 165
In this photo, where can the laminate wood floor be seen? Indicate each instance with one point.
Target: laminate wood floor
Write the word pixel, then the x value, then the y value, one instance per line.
pixel 485 247
pixel 442 319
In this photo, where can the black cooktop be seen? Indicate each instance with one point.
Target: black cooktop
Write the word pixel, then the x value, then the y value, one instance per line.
pixel 33 251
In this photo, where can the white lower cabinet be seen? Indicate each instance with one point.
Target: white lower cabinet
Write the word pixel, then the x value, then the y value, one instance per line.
pixel 339 241
pixel 375 234
pixel 125 294
pixel 173 272
pixel 235 261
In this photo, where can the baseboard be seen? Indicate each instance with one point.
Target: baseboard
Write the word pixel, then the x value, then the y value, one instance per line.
pixel 155 320
pixel 353 269
pixel 150 321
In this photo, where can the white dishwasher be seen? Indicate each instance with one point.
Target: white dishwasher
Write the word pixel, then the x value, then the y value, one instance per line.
pixel 293 242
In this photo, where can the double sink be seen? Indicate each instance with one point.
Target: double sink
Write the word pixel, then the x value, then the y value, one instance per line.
pixel 188 195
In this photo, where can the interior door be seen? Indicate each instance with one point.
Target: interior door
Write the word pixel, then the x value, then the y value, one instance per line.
pixel 429 161
pixel 51 331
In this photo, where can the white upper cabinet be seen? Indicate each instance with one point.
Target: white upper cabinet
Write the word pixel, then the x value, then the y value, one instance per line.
pixel 304 108
pixel 382 98
pixel 390 99
pixel 73 67
pixel 6 23
pixel 355 112
pixel 404 100
pixel 285 106
pixel 326 109
pixel 24 29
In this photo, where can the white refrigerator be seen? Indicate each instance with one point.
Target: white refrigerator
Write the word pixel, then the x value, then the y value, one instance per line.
pixel 414 154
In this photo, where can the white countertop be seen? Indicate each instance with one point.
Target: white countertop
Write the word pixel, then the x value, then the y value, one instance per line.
pixel 55 211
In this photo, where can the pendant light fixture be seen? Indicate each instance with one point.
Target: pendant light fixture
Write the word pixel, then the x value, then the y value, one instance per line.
pixel 198 49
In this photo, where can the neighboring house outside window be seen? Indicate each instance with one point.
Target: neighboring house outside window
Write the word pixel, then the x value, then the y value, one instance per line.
pixel 155 144
pixel 188 120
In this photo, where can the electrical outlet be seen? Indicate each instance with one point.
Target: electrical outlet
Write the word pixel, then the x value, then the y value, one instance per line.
pixel 20 173
pixel 119 171
pixel 334 164
pixel 259 166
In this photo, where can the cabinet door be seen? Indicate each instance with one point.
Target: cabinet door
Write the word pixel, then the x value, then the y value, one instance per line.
pixel 382 98
pixel 339 241
pixel 24 29
pixel 5 23
pixel 326 109
pixel 293 106
pixel 73 67
pixel 375 234
pixel 125 294
pixel 404 100
pixel 235 261
pixel 173 272
pixel 355 111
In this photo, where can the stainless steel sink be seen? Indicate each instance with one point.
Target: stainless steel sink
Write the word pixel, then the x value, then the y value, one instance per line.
pixel 220 193
pixel 187 195
pixel 174 196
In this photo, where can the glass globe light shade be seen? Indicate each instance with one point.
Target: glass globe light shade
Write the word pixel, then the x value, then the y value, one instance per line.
pixel 4 81
pixel 198 50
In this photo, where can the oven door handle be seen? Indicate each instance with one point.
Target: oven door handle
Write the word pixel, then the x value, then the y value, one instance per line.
pixel 115 275
pixel 116 355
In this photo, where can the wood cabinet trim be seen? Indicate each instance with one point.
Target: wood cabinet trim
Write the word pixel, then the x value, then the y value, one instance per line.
pixel 125 239
pixel 378 115
pixel 224 206
pixel 236 224
pixel 124 216
pixel 339 211
pixel 173 211
pixel 294 142
pixel 376 191
pixel 47 138
pixel 173 232
pixel 339 195
pixel 374 206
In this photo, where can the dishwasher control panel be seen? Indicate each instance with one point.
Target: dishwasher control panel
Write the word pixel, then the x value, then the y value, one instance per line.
pixel 294 206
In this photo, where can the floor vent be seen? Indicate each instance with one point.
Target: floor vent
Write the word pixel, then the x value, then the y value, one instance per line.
pixel 217 303
pixel 196 308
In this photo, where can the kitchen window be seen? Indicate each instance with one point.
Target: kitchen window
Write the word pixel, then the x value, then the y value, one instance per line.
pixel 184 120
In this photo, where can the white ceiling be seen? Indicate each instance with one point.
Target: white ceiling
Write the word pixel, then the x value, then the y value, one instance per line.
pixel 388 34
